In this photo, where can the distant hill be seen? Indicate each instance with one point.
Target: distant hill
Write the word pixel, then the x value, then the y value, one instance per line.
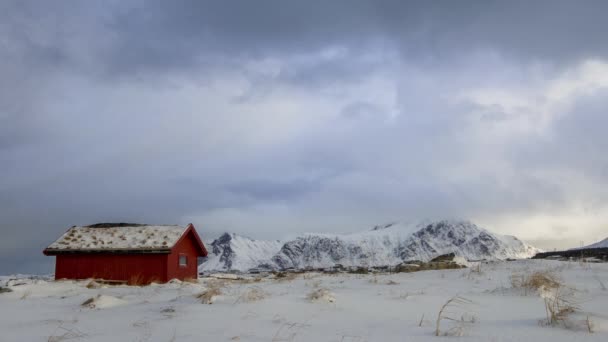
pixel 383 245
pixel 601 244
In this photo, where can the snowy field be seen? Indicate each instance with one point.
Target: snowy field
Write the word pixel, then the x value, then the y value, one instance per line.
pixel 493 306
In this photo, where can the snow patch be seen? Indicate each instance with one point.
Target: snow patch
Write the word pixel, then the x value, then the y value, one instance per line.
pixel 103 302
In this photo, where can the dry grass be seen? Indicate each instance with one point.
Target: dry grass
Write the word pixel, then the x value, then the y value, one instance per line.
pixel 559 304
pixel 589 324
pixel 88 302
pixel 25 294
pixel 445 314
pixel 535 281
pixel 208 296
pixel 288 331
pixel 602 285
pixel 213 290
pixel 558 298
pixel 285 276
pixel 63 333
pixel 93 285
pixel 216 283
pixel 321 295
pixel 191 280
pixel 136 280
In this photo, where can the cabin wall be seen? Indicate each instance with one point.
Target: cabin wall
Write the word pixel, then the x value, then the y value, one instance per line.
pixel 133 268
pixel 186 246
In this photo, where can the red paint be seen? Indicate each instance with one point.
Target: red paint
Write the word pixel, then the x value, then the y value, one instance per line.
pixel 186 246
pixel 134 268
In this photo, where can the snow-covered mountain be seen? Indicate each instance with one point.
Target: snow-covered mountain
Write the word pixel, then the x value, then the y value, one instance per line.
pixel 601 244
pixel 235 252
pixel 384 245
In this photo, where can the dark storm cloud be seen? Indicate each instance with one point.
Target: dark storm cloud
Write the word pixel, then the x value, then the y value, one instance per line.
pixel 130 38
pixel 174 32
pixel 274 117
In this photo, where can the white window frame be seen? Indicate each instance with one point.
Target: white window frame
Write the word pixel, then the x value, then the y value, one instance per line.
pixel 179 260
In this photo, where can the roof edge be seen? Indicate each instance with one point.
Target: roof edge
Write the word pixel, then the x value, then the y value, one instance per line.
pixel 190 229
pixel 53 251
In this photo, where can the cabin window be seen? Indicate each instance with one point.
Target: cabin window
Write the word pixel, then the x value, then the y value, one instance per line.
pixel 183 260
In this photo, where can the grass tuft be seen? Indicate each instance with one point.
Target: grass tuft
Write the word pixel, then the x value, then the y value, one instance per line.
pixel 445 314
pixel 535 281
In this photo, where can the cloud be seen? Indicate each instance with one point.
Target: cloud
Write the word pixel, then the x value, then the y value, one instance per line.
pixel 270 119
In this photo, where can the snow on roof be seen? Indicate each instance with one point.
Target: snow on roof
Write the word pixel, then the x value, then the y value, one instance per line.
pixel 119 237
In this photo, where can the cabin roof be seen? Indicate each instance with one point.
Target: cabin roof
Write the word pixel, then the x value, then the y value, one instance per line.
pixel 107 237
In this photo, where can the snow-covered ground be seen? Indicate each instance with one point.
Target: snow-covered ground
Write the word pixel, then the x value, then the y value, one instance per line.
pixel 311 307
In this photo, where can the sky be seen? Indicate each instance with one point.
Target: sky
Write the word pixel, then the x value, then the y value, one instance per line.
pixel 272 118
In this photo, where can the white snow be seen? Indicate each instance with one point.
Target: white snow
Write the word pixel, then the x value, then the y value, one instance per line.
pixel 137 237
pixel 103 302
pixel 249 253
pixel 383 308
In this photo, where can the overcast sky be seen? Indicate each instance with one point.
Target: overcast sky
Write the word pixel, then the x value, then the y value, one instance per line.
pixel 270 118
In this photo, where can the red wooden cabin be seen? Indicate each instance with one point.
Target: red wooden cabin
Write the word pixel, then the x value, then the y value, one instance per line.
pixel 126 252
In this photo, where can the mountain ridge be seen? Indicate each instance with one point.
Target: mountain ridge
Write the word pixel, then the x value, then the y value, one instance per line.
pixel 383 245
pixel 600 244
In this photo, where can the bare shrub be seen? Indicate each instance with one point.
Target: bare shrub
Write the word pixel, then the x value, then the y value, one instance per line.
pixel 445 314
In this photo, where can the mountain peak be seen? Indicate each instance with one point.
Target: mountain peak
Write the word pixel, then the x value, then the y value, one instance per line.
pixel 383 245
pixel 383 226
